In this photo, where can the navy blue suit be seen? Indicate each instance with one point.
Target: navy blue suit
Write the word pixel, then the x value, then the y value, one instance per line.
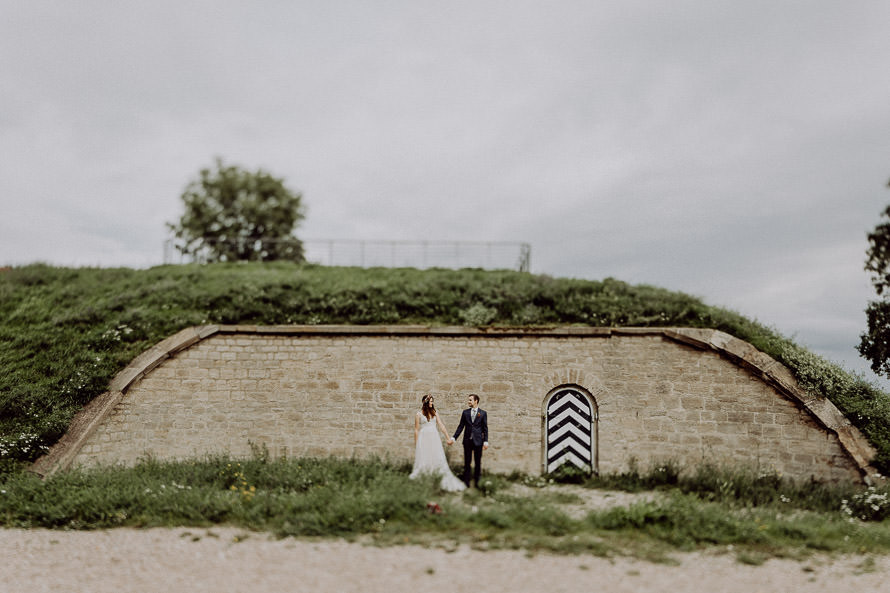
pixel 475 435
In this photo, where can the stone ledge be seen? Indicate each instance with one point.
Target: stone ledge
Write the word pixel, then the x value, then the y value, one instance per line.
pixel 148 360
pixel 777 375
pixel 82 426
pixel 424 330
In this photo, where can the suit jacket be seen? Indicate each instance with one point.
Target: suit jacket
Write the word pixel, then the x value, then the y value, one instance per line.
pixel 476 432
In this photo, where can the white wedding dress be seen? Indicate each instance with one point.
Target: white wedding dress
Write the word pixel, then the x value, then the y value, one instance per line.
pixel 429 457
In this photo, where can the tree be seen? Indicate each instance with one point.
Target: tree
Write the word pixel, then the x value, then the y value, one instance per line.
pixel 874 345
pixel 236 215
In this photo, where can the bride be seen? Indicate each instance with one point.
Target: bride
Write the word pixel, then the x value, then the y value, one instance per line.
pixel 429 456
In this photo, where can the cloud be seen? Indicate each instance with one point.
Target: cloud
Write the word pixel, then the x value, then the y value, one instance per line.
pixel 736 151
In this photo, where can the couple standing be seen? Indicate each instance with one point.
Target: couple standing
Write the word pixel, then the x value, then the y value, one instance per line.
pixel 429 456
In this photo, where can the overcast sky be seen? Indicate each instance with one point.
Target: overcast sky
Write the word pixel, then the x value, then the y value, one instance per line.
pixel 736 151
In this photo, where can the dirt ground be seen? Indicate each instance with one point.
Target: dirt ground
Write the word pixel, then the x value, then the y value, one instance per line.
pixel 231 559
pixel 195 560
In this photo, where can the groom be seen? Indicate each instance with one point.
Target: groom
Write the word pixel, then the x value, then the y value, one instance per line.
pixel 475 420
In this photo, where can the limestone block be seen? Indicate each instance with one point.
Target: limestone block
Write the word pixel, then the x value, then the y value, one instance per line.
pixel 677 392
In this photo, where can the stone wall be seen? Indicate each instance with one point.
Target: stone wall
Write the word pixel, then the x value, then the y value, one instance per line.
pixel 688 396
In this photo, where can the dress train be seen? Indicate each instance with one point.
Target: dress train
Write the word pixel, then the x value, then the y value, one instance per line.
pixel 429 457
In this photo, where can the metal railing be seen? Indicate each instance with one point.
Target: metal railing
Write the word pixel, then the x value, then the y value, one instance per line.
pixel 395 254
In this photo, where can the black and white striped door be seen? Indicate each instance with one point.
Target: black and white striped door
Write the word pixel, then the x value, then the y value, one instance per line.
pixel 570 430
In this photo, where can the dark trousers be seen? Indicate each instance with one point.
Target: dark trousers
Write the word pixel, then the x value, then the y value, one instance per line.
pixel 474 452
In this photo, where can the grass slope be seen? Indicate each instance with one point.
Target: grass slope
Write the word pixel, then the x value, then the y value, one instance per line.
pixel 65 332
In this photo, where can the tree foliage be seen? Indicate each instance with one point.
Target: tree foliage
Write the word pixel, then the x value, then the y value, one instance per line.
pixel 236 215
pixel 874 345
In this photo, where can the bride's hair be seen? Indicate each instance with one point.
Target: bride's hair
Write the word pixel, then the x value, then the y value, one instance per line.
pixel 427 406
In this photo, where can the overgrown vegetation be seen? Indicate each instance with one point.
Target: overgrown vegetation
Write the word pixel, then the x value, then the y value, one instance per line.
pixel 65 332
pixel 739 487
pixel 376 499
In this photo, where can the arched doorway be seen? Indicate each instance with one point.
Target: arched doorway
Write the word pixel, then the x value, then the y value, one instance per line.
pixel 570 418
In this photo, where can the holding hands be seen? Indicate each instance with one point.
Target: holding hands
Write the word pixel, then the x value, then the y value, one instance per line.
pixel 450 441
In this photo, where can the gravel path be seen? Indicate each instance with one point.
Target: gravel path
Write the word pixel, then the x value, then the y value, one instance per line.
pixel 231 559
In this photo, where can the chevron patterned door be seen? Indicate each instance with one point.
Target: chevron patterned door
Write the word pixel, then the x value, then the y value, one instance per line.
pixel 570 430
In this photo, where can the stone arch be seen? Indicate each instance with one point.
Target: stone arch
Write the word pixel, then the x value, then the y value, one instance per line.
pixel 264 381
pixel 569 421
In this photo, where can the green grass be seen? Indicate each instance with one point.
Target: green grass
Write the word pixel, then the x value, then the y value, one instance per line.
pixel 736 486
pixel 66 332
pixel 376 501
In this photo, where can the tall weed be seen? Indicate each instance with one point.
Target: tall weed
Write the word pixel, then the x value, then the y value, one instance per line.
pixel 376 499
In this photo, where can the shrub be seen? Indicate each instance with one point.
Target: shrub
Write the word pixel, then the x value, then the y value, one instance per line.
pixel 478 314
pixel 871 505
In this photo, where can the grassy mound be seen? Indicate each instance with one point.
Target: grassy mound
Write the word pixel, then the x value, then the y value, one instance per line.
pixel 66 332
